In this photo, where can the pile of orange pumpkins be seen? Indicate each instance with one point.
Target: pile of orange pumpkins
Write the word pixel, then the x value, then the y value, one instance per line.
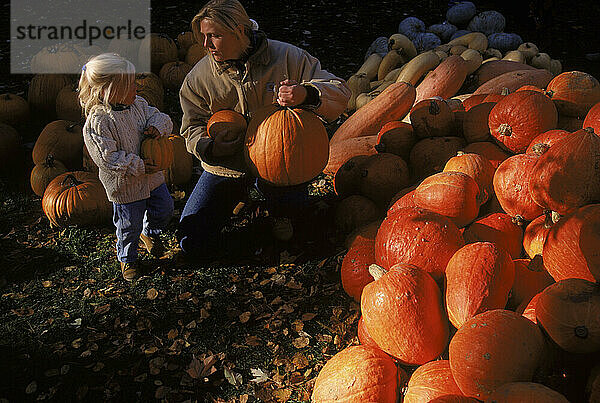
pixel 63 173
pixel 472 221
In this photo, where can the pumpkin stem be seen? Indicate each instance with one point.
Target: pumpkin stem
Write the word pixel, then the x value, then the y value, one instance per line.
pixel 548 219
pixel 377 271
pixel 555 217
pixel 72 179
pixel 459 153
pixel 581 332
pixel 589 130
pixel 49 162
pixel 519 220
pixel 505 91
pixel 505 129
pixel 434 108
pixel 380 148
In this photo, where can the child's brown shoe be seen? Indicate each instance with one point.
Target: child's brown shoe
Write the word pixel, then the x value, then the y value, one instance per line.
pixel 153 245
pixel 130 271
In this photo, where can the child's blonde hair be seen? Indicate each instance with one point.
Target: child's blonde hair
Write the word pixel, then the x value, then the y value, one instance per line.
pixel 104 77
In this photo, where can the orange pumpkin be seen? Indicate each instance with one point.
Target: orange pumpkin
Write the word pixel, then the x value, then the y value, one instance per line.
pixel 431 118
pixel 571 247
pixel 567 175
pixel 430 155
pixel 42 93
pixel 574 92
pixel 382 176
pixel 404 198
pixel 180 171
pixel 149 87
pixel 519 117
pixel 592 118
pixel 396 137
pixel 363 335
pixel 477 167
pixel 354 271
pixel 357 374
pixel 14 109
pixel 494 348
pixel 76 198
pixel 479 277
pixel 452 194
pixel 431 381
pixel 475 122
pixel 397 306
pixel 64 140
pixel 499 228
pixel 159 150
pixel 569 312
pixel 417 236
pixel 543 141
pixel 535 235
pixel 511 185
pixel 228 121
pixel 473 100
pixel 42 174
pixel 530 279
pixel 286 146
pixel 490 150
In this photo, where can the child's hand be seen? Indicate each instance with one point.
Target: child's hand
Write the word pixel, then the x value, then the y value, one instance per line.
pixel 149 167
pixel 151 132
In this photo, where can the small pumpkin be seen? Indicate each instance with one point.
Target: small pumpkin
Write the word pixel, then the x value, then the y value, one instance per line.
pixel 347 177
pixel 14 109
pixel 499 228
pixel 228 121
pixel 542 142
pixel 354 270
pixel 431 382
pixel 490 150
pixel 172 74
pixel 149 87
pixel 42 93
pixel 64 140
pixel 76 198
pixel 42 174
pixel 286 146
pixel 430 155
pixel 159 150
pixel 574 92
pixel 431 118
pixel 382 176
pixel 396 137
pixel 530 279
pixel 195 53
pixel 477 167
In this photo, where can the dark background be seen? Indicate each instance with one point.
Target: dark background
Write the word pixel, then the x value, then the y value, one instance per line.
pixel 339 32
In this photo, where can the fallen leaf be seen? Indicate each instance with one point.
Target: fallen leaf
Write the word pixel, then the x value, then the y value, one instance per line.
pixel 300 361
pixel 151 294
pixel 233 377
pixel 195 368
pixel 253 341
pixel 282 395
pixel 151 350
pixel 47 283
pixel 102 309
pixel 184 296
pixel 259 375
pixel 31 388
pixel 172 334
pixel 308 316
pixel 22 311
pixel 245 317
pixel 301 342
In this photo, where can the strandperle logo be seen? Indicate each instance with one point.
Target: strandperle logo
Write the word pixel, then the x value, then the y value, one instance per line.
pixel 85 32
pixel 60 36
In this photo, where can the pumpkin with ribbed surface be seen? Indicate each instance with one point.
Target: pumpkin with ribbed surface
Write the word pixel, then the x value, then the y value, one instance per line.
pixel 357 374
pixel 452 194
pixel 354 271
pixel 431 381
pixel 494 348
pixel 403 313
pixel 64 140
pixel 430 155
pixel 571 247
pixel 417 236
pixel 14 109
pixel 499 228
pixel 574 92
pixel 396 137
pixel 159 150
pixel 42 174
pixel 488 149
pixel 42 93
pixel 526 392
pixel 569 312
pixel 228 122
pixel 479 277
pixel 519 117
pixel 543 141
pixel 477 167
pixel 286 146
pixel 511 185
pixel 76 198
pixel 567 175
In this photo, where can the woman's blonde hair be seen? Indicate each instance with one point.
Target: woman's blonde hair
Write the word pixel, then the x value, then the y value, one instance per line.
pixel 227 13
pixel 104 77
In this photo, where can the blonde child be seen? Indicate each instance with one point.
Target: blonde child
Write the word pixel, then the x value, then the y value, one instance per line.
pixel 116 122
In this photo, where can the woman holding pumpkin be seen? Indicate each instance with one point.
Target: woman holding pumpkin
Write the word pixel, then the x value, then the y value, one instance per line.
pixel 244 72
pixel 116 122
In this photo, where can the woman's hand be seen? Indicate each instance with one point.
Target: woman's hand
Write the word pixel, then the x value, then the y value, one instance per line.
pixel 290 93
pixel 227 143
pixel 151 132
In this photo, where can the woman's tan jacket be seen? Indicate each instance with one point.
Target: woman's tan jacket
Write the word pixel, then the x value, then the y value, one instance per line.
pixel 211 86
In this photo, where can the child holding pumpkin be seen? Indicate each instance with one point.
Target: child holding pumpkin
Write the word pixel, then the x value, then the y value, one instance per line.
pixel 116 122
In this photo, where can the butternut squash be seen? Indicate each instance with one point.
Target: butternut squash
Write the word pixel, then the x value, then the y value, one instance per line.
pixel 418 66
pixel 474 40
pixel 473 59
pixel 390 61
pixel 371 66
pixel 403 44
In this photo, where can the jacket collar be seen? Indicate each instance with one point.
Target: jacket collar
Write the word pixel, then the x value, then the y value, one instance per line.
pixel 259 54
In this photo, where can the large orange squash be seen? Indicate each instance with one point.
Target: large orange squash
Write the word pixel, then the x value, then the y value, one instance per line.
pixel 478 278
pixel 76 198
pixel 403 313
pixel 432 381
pixel 511 186
pixel 569 311
pixel 417 236
pixel 567 175
pixel 574 92
pixel 571 247
pixel 286 146
pixel 519 117
pixel 357 374
pixel 494 348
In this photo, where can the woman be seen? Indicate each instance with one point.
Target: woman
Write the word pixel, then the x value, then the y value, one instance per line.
pixel 244 71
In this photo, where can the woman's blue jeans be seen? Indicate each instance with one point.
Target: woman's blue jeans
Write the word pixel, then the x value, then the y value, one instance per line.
pixel 212 201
